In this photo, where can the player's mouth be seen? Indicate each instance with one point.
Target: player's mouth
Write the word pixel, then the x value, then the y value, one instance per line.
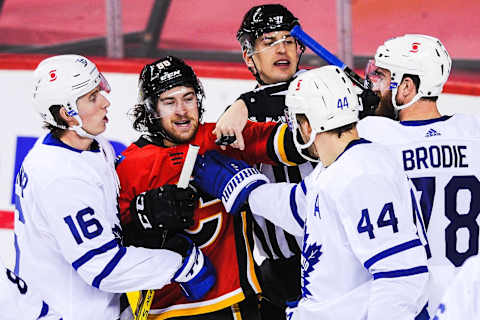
pixel 282 63
pixel 183 124
pixel 105 119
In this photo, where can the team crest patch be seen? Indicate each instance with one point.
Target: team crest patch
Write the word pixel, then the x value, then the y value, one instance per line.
pixel 311 253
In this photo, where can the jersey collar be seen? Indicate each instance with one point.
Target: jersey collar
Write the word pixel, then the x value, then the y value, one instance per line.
pixel 416 123
pixel 50 140
pixel 353 143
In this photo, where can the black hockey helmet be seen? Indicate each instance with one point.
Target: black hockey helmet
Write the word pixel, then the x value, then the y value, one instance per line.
pixel 263 19
pixel 157 77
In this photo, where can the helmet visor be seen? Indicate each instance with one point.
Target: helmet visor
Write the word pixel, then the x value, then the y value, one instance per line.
pixel 271 40
pixel 104 85
pixel 376 78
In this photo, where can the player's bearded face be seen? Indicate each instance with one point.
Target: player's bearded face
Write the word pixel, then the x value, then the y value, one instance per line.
pixel 178 112
pixel 92 109
pixel 380 83
pixel 276 56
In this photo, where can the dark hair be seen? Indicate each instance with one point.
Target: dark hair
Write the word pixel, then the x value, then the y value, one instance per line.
pixel 343 129
pixel 57 132
pixel 416 82
pixel 339 130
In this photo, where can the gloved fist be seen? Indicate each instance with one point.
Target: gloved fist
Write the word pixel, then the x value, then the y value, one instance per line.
pixel 167 207
pixel 158 213
pixel 196 276
pixel 227 179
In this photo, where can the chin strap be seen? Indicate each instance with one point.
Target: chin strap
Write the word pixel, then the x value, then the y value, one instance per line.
pixel 79 130
pixel 406 105
pixel 303 148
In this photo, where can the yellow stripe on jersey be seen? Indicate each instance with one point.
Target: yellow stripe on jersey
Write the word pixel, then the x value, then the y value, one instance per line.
pixel 280 146
pixel 200 309
pixel 252 276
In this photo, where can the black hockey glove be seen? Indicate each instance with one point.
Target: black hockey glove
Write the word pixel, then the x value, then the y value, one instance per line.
pixel 158 213
pixel 370 101
pixel 266 101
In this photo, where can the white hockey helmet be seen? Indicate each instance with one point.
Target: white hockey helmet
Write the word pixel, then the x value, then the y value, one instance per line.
pixel 419 55
pixel 327 98
pixel 61 80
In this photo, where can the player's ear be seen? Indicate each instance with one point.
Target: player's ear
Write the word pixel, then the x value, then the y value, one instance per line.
pixel 407 88
pixel 71 121
pixel 248 60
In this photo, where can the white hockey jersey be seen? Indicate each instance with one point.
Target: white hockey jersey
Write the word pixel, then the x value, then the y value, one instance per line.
pixel 361 256
pixel 19 301
pixel 442 158
pixel 67 233
pixel 462 298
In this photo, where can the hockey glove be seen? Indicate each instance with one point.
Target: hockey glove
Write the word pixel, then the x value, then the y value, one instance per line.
pixel 227 179
pixel 266 101
pixel 196 276
pixel 159 212
pixel 370 101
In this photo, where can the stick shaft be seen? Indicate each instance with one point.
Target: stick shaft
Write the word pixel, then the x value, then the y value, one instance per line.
pixel 326 55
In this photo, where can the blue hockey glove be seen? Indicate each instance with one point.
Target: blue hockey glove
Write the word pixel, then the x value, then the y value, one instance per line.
pixel 196 276
pixel 227 179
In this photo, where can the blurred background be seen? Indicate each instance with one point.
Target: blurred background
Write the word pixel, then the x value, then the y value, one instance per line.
pixel 205 29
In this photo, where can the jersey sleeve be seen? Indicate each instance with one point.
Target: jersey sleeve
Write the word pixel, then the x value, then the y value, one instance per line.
pixel 267 142
pixel 18 301
pixel 87 235
pixel 281 203
pixel 377 217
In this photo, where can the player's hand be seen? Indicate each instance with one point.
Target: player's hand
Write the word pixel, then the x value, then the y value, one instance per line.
pixel 231 123
pixel 196 275
pixel 157 212
pixel 227 179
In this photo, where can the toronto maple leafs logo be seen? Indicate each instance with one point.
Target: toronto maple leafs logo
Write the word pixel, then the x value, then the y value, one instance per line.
pixel 311 253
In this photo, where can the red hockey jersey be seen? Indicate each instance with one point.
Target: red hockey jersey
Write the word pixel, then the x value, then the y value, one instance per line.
pixel 221 236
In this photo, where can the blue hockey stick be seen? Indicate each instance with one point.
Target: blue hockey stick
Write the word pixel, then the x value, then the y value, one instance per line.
pixel 326 55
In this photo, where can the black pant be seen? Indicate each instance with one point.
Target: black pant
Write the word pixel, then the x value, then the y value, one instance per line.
pixel 247 309
pixel 280 283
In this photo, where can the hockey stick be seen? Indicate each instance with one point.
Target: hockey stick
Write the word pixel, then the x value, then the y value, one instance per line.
pixel 326 55
pixel 141 301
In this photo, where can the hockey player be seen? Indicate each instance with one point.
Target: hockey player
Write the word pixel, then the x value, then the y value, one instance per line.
pixel 462 297
pixel 18 301
pixel 437 152
pixel 273 56
pixel 67 229
pixel 361 255
pixel 169 112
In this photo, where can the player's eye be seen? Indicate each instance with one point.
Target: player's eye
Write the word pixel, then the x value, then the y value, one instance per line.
pixel 93 97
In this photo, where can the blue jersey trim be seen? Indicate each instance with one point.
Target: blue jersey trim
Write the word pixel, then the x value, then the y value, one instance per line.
pixel 293 206
pixel 50 140
pixel 391 251
pixel 44 311
pixel 400 273
pixel 416 123
pixel 109 267
pixel 304 187
pixel 92 253
pixel 353 143
pixel 16 269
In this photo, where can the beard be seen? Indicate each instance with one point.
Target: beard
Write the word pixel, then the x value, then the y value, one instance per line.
pixel 183 138
pixel 385 106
